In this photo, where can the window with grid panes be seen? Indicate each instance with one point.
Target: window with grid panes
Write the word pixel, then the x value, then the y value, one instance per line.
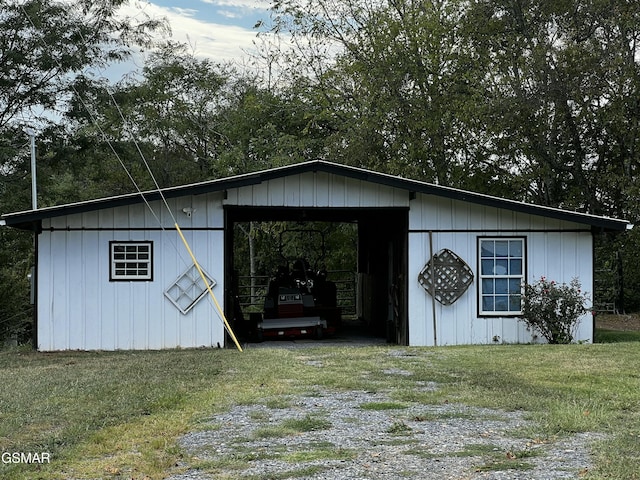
pixel 131 260
pixel 502 275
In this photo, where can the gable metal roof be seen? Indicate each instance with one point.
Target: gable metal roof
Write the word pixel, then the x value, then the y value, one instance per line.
pixel 30 220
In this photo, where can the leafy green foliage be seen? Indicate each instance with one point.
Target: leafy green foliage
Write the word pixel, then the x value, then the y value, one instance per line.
pixel 533 100
pixel 553 309
pixel 620 260
pixel 265 129
pixel 16 258
pixel 167 117
pixel 44 43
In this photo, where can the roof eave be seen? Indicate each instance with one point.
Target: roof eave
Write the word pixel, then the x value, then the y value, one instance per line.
pixel 30 220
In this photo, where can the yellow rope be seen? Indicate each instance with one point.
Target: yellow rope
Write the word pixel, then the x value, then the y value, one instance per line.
pixel 206 282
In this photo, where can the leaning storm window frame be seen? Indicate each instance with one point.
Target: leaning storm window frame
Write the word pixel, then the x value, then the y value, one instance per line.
pixel 130 261
pixel 502 264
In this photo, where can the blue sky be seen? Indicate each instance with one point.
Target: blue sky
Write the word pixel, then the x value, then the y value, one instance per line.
pixel 240 13
pixel 221 30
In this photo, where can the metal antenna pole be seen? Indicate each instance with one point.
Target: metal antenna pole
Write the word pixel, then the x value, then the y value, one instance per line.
pixel 34 191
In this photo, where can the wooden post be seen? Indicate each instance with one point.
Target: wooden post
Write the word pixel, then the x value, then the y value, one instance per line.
pixel 433 289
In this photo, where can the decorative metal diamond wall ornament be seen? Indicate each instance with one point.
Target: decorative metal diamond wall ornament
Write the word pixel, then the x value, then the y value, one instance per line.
pixel 188 289
pixel 446 277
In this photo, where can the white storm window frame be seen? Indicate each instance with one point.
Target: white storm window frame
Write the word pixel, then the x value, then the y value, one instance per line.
pixel 130 261
pixel 502 274
pixel 189 288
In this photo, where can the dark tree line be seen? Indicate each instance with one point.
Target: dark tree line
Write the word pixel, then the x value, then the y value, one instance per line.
pixel 536 100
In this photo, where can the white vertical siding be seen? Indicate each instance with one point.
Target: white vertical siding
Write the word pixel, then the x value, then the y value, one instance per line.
pixel 318 190
pixel 554 249
pixel 79 308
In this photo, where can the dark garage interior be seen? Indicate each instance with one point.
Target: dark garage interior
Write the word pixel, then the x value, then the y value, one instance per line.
pixel 369 265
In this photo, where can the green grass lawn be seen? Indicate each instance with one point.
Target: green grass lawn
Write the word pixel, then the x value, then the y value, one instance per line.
pixel 615 336
pixel 117 415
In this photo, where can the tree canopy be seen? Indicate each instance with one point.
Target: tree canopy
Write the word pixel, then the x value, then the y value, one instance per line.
pixel 533 99
pixel 536 100
pixel 44 46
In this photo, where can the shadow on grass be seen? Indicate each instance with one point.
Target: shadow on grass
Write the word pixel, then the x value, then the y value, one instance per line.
pixel 616 336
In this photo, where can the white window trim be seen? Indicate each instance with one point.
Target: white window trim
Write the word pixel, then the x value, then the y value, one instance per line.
pixel 481 277
pixel 114 262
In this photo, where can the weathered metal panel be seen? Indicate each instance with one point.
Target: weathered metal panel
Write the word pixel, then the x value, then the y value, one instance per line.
pixel 307 188
pixel 321 190
pixel 93 268
pixel 556 249
pixel 79 308
pixel 356 193
pixel 318 190
pixel 195 211
pixel 276 195
pixel 244 196
pixel 291 192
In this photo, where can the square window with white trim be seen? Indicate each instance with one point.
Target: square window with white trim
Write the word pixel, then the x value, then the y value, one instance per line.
pixel 502 274
pixel 131 261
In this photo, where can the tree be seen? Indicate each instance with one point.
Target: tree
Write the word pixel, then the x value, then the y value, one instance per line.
pixel 43 47
pixel 167 116
pixel 564 84
pixel 265 129
pixel 564 91
pixel 175 109
pixel 43 44
pixel 536 100
pixel 532 99
pixel 403 92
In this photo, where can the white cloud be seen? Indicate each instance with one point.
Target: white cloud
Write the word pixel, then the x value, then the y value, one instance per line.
pixel 230 13
pixel 216 41
pixel 185 12
pixel 246 4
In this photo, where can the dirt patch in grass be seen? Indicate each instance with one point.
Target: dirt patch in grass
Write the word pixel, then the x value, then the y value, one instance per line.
pixel 624 323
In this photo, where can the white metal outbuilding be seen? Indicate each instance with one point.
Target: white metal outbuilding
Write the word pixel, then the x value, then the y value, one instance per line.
pixel 475 248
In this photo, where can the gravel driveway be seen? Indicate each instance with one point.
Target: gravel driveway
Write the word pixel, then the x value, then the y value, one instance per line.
pixel 364 435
